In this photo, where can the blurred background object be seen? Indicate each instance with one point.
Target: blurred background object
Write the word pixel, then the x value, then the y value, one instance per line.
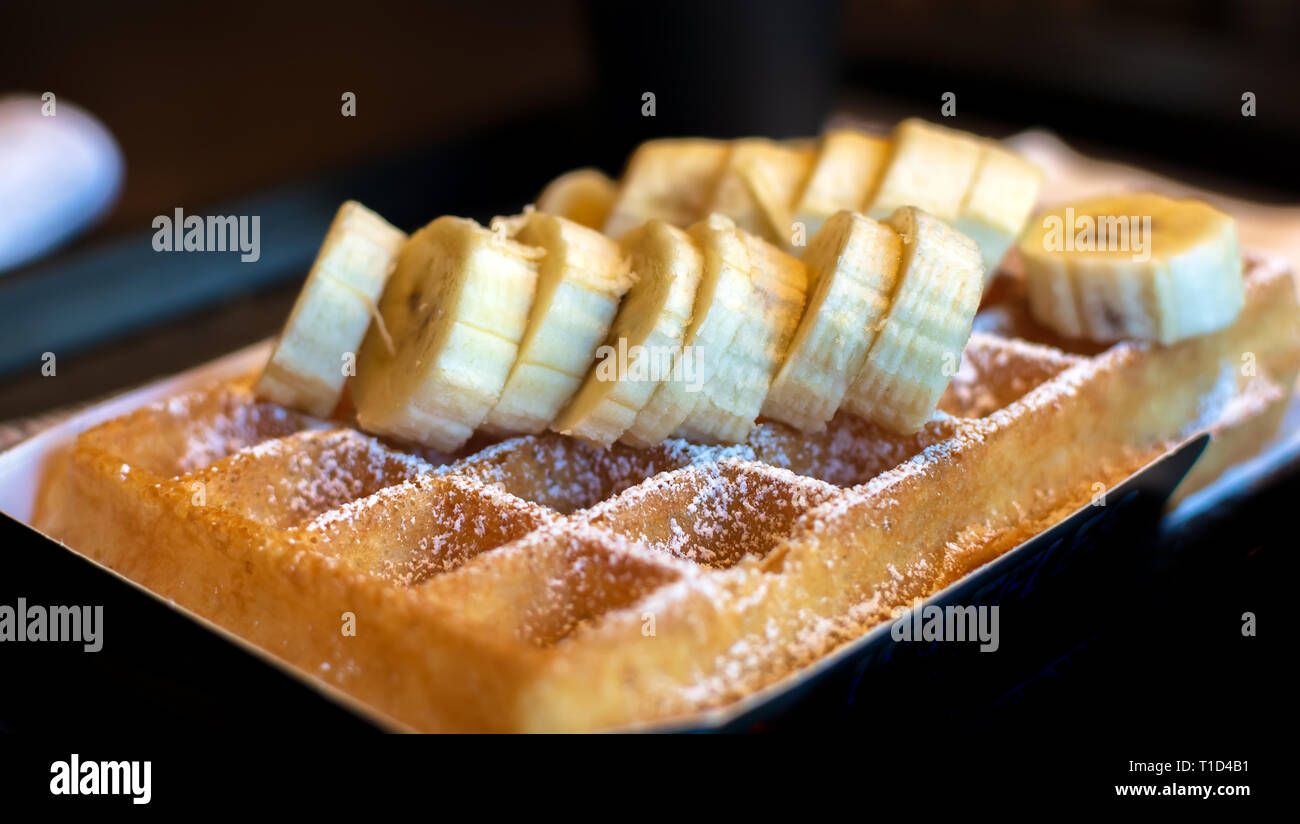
pixel 61 171
pixel 471 108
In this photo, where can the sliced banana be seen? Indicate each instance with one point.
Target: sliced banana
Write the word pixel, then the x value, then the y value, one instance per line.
pixel 457 308
pixel 931 168
pixel 579 284
pixel 647 331
pixel 973 184
pixel 998 203
pixel 919 345
pixel 669 180
pixel 758 185
pixel 318 347
pixel 807 145
pixel 732 397
pixel 722 306
pixel 852 269
pixel 845 172
pixel 584 196
pixel 1133 266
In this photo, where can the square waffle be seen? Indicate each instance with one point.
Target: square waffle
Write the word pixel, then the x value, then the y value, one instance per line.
pixel 540 583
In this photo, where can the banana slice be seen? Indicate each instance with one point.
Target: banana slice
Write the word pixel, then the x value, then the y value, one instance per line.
pixel 807 145
pixel 722 306
pixel 306 370
pixel 643 340
pixel 579 284
pixel 584 196
pixel 918 348
pixel 998 204
pixel 845 172
pixel 931 169
pixel 669 180
pixel 758 185
pixel 456 308
pixel 1133 266
pixel 731 398
pixel 973 184
pixel 852 268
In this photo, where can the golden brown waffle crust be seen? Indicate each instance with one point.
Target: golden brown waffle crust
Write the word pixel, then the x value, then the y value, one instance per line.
pixel 539 584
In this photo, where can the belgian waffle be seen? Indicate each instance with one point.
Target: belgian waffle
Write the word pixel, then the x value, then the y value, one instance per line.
pixel 542 584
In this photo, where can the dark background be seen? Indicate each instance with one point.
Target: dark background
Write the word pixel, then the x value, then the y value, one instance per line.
pixel 471 108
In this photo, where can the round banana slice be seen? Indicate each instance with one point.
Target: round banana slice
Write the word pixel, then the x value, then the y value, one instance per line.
pixel 722 304
pixel 845 172
pixel 1139 266
pixel 584 196
pixel 931 168
pixel 456 308
pixel 669 180
pixel 318 348
pixel 732 397
pixel 579 284
pixel 758 185
pixel 971 183
pixel 646 334
pixel 998 204
pixel 852 268
pixel 919 345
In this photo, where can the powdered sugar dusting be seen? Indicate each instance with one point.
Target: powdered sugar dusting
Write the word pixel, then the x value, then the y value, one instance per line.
pixel 424 526
pixel 712 514
pixel 285 481
pixel 565 474
pixel 848 452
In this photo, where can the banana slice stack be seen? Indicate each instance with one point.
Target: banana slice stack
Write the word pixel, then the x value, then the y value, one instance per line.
pixel 580 281
pixel 853 265
pixel 646 335
pixel 670 304
pixel 729 400
pixel 919 342
pixel 785 191
pixel 538 321
pixel 972 184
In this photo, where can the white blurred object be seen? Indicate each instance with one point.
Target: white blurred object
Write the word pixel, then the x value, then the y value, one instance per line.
pixel 57 175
